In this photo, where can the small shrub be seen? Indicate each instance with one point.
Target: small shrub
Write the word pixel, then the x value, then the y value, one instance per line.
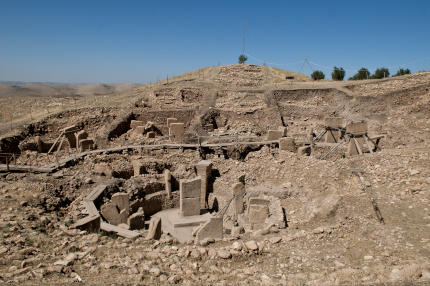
pixel 402 72
pixel 362 73
pixel 381 73
pixel 242 59
pixel 338 73
pixel 317 75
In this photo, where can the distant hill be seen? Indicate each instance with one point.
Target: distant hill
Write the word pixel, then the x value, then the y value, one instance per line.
pixel 61 90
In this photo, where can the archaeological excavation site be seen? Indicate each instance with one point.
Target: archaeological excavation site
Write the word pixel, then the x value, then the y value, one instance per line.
pixel 230 175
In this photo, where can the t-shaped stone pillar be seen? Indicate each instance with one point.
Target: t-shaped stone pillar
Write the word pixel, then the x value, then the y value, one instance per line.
pixel 238 193
pixel 189 197
pixel 204 169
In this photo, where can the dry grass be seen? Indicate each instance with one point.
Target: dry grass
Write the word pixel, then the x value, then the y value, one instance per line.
pixel 280 74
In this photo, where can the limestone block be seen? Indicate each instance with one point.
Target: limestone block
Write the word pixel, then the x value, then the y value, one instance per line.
pixel 283 129
pixel 90 223
pixel 274 135
pixel 212 229
pixel 190 188
pixel 190 206
pixel 154 230
pixel 136 123
pixel 80 136
pixel 304 151
pixel 357 127
pixel 287 144
pixel 171 120
pixel 110 212
pixel 137 220
pixel 176 131
pixel 86 144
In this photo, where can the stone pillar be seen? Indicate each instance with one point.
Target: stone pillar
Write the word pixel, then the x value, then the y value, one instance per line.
pixel 176 131
pixel 80 136
pixel 304 151
pixel 189 197
pixel 86 144
pixel 333 136
pixel 168 183
pixel 70 135
pixel 283 129
pixel 238 193
pixel 171 120
pixel 358 130
pixel 204 170
pixel 136 123
pixel 287 144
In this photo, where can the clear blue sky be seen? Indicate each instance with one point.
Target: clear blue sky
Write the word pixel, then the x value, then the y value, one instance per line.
pixel 139 41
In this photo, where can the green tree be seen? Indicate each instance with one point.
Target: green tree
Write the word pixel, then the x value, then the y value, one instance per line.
pixel 381 73
pixel 338 73
pixel 317 75
pixel 362 73
pixel 402 72
pixel 242 59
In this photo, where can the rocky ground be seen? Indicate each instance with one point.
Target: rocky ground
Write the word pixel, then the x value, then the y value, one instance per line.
pixel 333 235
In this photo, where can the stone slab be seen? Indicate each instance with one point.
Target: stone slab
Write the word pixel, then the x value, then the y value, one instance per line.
pixel 96 192
pixel 118 230
pixel 211 229
pixel 356 127
pixel 155 229
pixel 190 206
pixel 90 207
pixel 90 223
pixel 176 131
pixel 137 220
pixel 257 215
pixel 190 188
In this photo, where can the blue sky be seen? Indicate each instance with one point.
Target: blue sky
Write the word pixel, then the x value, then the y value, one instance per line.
pixel 142 41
